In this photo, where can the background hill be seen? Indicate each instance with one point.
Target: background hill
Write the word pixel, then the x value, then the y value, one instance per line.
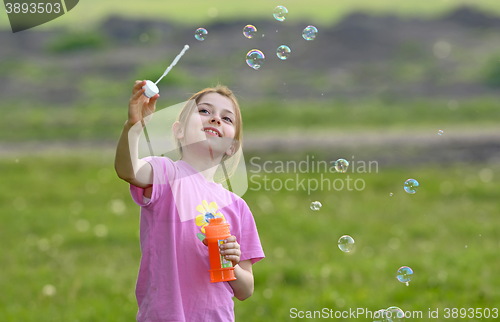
pixel 453 56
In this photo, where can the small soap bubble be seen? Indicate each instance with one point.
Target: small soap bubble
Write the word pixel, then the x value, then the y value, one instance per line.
pixel 200 34
pixel 341 165
pixel 280 13
pixel 411 186
pixel 391 194
pixel 404 275
pixel 440 132
pixel 309 33
pixel 255 58
pixel 283 52
pixel 315 205
pixel 395 314
pixel 249 31
pixel 346 243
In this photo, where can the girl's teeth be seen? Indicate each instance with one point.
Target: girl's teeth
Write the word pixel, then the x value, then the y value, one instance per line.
pixel 210 131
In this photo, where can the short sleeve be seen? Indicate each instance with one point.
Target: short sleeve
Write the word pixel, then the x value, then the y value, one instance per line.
pixel 250 246
pixel 163 171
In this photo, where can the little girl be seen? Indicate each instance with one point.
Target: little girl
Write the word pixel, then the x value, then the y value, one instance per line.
pixel 177 200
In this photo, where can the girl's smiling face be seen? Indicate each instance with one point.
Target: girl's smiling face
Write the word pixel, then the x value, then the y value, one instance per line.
pixel 212 121
pixel 217 116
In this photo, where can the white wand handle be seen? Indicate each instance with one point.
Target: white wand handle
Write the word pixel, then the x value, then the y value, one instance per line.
pixel 186 47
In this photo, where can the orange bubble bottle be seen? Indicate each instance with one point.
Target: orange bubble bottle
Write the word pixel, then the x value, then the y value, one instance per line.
pixel 221 270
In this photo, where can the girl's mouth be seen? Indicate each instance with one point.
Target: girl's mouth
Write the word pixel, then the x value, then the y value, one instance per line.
pixel 212 131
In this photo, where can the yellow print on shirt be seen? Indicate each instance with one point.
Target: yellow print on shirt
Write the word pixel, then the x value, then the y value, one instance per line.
pixel 206 211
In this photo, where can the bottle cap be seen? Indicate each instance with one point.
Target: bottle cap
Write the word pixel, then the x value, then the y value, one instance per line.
pixel 151 89
pixel 216 221
pixel 216 228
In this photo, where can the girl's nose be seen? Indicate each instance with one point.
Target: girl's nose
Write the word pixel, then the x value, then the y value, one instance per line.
pixel 215 120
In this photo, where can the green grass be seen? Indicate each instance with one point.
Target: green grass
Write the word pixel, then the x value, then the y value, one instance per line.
pixel 69 223
pixel 101 120
pixel 89 12
pixel 370 114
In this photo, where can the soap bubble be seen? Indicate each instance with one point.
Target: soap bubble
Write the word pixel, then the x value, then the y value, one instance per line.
pixel 249 31
pixel 341 165
pixel 395 314
pixel 404 275
pixel 280 13
pixel 200 34
pixel 440 132
pixel 315 205
pixel 411 186
pixel 309 33
pixel 283 52
pixel 346 243
pixel 255 58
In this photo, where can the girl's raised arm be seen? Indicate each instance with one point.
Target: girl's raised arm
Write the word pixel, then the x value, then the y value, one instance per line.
pixel 128 166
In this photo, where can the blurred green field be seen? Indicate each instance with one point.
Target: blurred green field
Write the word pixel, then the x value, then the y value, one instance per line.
pixel 90 12
pixel 92 122
pixel 71 251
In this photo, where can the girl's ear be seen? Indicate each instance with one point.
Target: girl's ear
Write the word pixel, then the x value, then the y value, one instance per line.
pixel 177 130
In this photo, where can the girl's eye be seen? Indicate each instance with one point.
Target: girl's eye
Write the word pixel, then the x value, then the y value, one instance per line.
pixel 227 119
pixel 203 110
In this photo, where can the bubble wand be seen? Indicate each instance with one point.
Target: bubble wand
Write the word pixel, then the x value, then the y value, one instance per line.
pixel 150 87
pixel 151 90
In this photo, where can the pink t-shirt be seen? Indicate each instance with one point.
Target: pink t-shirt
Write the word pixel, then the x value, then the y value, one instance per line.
pixel 173 282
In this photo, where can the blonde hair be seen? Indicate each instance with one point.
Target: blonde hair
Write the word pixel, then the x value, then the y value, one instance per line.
pixel 190 107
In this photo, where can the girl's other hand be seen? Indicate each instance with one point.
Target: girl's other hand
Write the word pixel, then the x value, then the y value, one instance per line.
pixel 139 105
pixel 230 249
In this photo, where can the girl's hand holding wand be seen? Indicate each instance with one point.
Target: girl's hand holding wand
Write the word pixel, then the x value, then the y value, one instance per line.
pixel 140 106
